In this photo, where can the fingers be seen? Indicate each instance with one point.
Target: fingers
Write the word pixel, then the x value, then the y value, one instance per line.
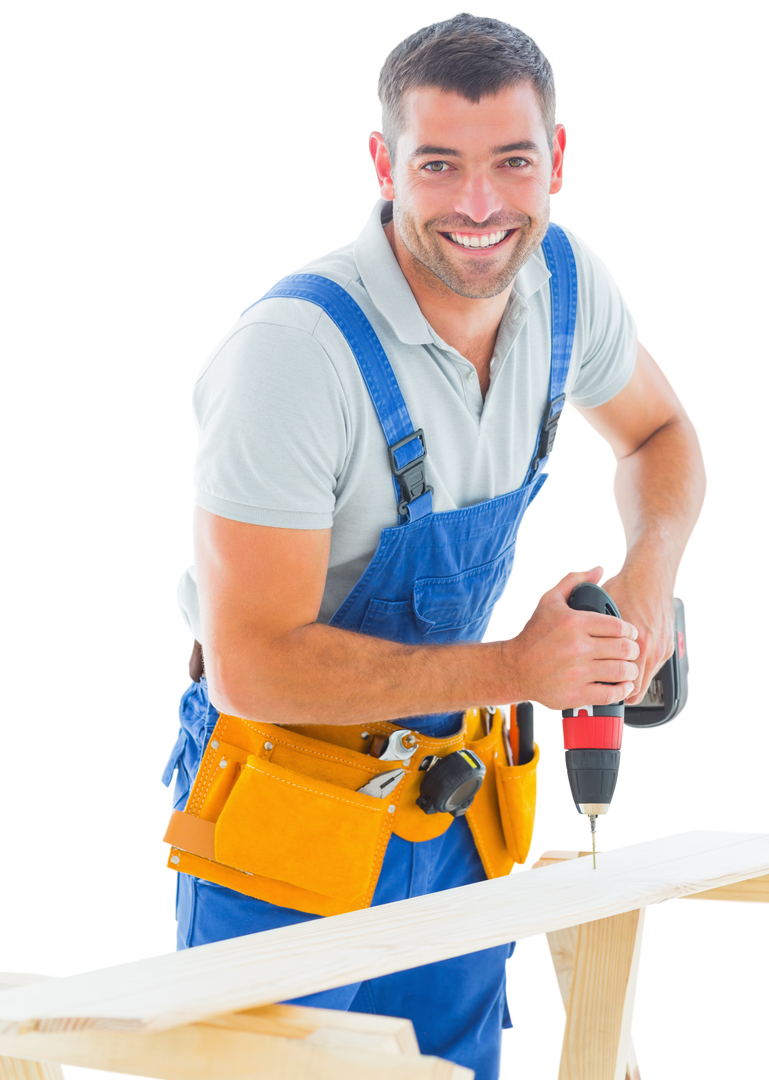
pixel 614 671
pixel 652 657
pixel 610 695
pixel 606 626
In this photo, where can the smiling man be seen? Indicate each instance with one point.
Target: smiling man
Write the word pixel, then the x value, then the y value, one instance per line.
pixel 469 213
pixel 371 434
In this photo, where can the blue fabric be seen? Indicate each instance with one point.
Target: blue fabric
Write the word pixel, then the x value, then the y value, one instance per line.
pixel 458 1007
pixel 434 578
pixel 197 719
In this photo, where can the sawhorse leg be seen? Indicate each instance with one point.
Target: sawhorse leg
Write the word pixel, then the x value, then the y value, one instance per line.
pixel 597 967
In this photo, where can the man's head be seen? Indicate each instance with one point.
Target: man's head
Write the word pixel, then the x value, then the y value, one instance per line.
pixel 470 152
pixel 466 55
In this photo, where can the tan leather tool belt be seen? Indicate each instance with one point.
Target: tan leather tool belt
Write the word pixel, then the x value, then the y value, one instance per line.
pixel 275 811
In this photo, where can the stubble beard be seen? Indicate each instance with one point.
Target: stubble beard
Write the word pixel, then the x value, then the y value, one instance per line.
pixel 477 282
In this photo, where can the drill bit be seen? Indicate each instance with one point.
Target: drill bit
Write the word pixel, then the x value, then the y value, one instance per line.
pixel 593 819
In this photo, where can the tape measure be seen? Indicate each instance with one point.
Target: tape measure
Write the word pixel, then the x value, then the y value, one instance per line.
pixel 450 783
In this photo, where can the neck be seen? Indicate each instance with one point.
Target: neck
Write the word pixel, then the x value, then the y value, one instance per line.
pixel 469 325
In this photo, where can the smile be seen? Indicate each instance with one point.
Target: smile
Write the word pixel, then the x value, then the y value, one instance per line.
pixel 478 240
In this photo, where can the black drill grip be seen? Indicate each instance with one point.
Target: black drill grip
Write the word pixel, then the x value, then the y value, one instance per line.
pixel 590 597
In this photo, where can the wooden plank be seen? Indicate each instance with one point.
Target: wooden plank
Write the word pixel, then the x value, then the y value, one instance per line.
pixel 211 1051
pixel 356 1037
pixel 17 1069
pixel 276 965
pixel 755 890
pixel 333 1030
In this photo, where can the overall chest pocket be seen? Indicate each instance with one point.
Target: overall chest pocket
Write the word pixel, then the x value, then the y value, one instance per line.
pixel 442 606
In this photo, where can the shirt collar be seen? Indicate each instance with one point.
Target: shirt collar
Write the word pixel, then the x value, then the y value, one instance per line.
pixel 383 280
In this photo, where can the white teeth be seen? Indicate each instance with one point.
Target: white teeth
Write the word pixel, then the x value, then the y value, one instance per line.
pixel 475 241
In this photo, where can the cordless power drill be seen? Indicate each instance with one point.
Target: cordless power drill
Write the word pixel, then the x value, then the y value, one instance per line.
pixel 592 734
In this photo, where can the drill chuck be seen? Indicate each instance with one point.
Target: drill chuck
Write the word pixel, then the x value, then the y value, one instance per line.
pixel 592 778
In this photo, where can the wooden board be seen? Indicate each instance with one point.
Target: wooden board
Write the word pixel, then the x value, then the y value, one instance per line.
pixel 754 890
pixel 276 965
pixel 260 1044
pixel 16 1069
pixel 336 1046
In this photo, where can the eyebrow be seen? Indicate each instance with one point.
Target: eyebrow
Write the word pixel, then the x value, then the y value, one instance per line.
pixel 447 151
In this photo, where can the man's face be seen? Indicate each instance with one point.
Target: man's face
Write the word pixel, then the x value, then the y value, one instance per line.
pixel 471 185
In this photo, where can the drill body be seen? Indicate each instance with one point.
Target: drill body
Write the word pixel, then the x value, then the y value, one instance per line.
pixel 592 734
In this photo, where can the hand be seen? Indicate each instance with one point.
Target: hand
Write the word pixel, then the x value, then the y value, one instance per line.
pixel 564 658
pixel 644 596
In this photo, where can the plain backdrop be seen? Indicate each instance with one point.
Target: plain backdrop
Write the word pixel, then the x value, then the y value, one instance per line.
pixel 208 160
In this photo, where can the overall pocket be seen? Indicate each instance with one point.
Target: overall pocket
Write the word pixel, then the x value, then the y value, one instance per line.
pixel 304 831
pixel 517 794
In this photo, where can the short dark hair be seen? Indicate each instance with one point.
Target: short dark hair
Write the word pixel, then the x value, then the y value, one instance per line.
pixel 470 56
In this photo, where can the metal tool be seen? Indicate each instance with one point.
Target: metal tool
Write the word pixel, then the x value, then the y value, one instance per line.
pixel 400 746
pixel 449 785
pixel 381 786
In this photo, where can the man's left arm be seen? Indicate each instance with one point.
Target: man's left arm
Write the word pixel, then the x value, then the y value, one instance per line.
pixel 659 487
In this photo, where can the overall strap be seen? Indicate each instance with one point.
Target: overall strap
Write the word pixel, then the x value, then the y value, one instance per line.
pixel 563 316
pixel 406 446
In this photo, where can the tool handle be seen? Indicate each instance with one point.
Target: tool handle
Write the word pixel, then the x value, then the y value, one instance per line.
pixel 524 718
pixel 590 597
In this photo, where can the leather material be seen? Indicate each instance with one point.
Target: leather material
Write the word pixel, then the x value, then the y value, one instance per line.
pixel 196 666
pixel 277 813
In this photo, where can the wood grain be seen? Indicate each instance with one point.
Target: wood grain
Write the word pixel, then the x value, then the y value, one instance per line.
pixel 276 965
pixel 16 1069
pixel 212 1051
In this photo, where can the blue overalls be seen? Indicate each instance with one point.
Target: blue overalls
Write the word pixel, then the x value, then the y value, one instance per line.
pixel 434 578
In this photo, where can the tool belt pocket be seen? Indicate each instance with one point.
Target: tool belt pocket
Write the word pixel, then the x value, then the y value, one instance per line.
pixel 517 795
pixel 277 815
pixel 303 831
pixel 501 817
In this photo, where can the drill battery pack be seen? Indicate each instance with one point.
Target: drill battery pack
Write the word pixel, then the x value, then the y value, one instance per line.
pixel 669 688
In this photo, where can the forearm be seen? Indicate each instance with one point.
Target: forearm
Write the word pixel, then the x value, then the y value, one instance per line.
pixel 320 674
pixel 659 491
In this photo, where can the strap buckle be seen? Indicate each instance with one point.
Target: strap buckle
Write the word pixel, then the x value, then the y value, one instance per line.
pixel 549 429
pixel 411 476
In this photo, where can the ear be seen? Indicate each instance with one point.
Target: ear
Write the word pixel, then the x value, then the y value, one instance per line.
pixel 559 148
pixel 381 159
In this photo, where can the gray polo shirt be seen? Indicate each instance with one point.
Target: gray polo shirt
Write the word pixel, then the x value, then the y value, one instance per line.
pixel 289 437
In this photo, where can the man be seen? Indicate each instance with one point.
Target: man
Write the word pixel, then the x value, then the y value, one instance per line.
pixel 329 609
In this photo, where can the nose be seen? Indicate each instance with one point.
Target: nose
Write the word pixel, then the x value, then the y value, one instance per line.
pixel 477 198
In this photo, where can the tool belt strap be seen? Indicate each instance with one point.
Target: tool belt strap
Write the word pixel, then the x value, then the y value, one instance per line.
pixel 275 811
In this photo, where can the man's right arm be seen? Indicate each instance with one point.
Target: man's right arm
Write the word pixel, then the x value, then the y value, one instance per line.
pixel 267 658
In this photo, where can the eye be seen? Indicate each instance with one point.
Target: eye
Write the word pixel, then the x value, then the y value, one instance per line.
pixel 516 162
pixel 436 166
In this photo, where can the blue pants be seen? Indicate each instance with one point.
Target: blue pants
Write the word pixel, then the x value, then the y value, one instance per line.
pixel 458 1007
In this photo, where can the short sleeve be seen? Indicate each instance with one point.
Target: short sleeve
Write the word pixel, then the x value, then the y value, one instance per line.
pixel 273 429
pixel 605 342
